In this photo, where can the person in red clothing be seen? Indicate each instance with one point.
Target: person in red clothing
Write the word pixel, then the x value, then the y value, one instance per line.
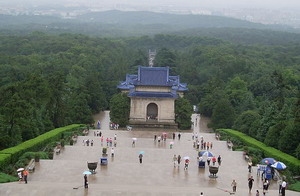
pixel 25 174
pixel 214 160
pixel 186 164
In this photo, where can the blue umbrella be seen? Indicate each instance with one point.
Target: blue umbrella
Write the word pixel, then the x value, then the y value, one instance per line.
pixel 205 153
pixel 279 165
pixel 141 152
pixel 87 173
pixel 268 161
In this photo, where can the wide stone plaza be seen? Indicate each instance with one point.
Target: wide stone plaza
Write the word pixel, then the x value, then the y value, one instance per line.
pixel 125 176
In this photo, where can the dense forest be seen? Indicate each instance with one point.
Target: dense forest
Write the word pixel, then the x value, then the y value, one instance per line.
pixel 49 81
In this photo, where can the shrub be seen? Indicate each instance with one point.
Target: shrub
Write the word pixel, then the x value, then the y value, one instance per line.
pixel 35 143
pixel 292 162
pixel 295 187
pixel 7 178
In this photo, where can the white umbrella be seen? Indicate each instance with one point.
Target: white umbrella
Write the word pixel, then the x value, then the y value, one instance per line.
pixel 20 169
pixel 87 173
pixel 186 157
pixel 279 165
pixel 134 138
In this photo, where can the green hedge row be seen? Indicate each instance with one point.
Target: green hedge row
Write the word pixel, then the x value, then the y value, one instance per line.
pixel 292 162
pixel 34 144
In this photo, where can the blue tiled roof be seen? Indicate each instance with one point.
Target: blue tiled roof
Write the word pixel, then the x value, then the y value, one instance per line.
pixel 128 84
pixel 153 94
pixel 153 76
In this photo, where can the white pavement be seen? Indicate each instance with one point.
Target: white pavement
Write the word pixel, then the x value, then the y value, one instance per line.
pixel 124 175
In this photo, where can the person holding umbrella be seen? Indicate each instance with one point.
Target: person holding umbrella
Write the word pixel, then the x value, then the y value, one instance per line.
pixel 86 183
pixel 186 162
pixel 20 174
pixel 141 157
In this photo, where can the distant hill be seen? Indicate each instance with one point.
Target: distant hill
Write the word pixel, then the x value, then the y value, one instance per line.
pixel 126 24
pixel 181 21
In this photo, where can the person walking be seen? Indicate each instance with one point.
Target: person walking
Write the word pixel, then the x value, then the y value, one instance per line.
pixel 283 187
pixel 175 160
pixel 178 160
pixel 250 183
pixel 92 142
pixel 186 164
pixel 86 183
pixel 219 160
pixel 208 161
pixel 112 151
pixel 155 136
pixel 141 157
pixel 250 166
pixel 201 194
pixel 265 184
pixel 115 137
pixel 279 182
pixel 173 136
pixel 98 124
pixel 20 176
pixel 214 160
pixel 25 174
pixel 179 136
pixel 233 184
pixel 257 193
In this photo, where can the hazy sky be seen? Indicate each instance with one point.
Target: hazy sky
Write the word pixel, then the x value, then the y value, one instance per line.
pixel 268 4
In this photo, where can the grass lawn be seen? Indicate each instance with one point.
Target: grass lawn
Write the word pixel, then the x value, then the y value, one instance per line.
pixel 7 178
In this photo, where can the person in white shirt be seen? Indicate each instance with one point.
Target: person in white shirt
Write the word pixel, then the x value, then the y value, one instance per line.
pixel 112 151
pixel 283 187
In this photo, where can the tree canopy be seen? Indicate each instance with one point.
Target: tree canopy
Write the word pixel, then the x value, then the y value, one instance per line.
pixel 48 81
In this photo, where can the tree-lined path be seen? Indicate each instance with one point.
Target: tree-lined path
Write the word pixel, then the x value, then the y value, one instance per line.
pixel 124 175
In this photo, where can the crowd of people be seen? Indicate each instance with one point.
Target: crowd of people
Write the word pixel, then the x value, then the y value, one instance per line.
pixel 114 126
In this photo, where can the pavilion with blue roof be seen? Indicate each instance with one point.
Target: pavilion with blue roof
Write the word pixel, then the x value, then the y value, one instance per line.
pixel 152 93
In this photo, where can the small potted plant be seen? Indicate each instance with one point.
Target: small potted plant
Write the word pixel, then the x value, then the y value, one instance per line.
pixel 37 157
pixel 104 151
pixel 62 143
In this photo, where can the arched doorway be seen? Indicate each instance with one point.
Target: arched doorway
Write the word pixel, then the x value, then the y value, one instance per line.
pixel 152 111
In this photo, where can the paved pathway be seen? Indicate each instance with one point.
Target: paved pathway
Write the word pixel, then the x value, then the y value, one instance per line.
pixel 124 175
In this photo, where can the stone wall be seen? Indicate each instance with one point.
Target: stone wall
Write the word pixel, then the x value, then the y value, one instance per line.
pixel 166 109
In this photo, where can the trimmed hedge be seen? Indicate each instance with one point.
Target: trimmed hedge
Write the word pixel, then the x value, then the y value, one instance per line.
pixel 34 144
pixel 292 162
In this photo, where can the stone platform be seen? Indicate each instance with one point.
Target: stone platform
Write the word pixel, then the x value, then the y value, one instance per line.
pixel 125 176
